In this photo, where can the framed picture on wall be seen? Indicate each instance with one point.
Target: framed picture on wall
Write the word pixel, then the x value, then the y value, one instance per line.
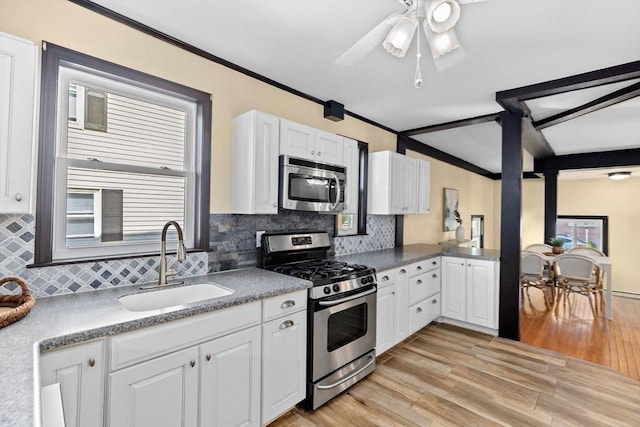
pixel 450 206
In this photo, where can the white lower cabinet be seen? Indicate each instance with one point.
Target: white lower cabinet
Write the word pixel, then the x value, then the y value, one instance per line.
pixel 80 371
pixel 284 363
pixel 230 380
pixel 240 366
pixel 470 293
pixel 159 392
pixel 408 299
pixel 386 312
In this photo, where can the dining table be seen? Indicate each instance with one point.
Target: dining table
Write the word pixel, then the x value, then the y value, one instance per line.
pixel 605 264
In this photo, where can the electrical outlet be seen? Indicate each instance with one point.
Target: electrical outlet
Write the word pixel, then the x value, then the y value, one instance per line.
pixel 259 238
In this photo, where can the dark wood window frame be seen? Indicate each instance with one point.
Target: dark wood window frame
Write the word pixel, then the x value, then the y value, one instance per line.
pixel 605 227
pixel 53 57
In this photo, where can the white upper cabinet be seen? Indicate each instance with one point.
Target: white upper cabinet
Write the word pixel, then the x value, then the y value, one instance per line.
pixel 424 173
pixel 18 60
pixel 352 162
pixel 254 183
pixel 393 184
pixel 305 142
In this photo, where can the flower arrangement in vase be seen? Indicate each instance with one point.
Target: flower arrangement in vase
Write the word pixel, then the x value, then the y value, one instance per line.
pixel 460 229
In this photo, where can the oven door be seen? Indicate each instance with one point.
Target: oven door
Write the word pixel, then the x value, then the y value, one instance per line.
pixel 312 187
pixel 343 330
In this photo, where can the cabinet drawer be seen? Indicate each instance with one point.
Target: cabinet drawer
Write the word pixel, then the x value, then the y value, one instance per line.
pixel 134 347
pixel 424 285
pixel 284 304
pixel 385 278
pixel 424 312
pixel 423 266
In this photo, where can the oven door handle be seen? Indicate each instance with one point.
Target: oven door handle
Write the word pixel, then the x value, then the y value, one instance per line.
pixel 349 298
pixel 348 377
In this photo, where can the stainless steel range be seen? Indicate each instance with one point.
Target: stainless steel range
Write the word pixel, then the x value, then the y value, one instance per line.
pixel 341 311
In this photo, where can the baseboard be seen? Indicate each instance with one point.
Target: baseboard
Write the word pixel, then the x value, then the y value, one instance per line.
pixel 625 295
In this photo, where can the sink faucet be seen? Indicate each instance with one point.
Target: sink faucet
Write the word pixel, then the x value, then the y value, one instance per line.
pixel 181 253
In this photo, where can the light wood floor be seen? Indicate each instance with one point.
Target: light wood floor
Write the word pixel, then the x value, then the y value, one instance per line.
pixel 447 376
pixel 569 327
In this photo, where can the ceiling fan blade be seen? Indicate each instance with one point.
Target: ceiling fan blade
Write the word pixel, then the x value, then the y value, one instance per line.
pixel 368 41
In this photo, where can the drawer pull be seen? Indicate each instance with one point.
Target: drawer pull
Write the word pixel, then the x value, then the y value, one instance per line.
pixel 434 275
pixel 419 310
pixel 192 363
pixel 286 324
pixel 434 301
pixel 385 278
pixel 434 262
pixel 418 282
pixel 288 303
pixel 208 357
pixel 419 268
pixel 403 271
pixel 92 362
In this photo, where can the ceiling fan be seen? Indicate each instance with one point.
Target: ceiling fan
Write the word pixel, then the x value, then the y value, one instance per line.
pixel 397 31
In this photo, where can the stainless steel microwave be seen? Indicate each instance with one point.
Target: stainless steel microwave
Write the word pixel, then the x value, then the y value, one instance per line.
pixel 310 186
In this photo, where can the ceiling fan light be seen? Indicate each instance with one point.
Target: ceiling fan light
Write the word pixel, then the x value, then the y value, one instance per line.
pixel 619 175
pixel 441 15
pixel 441 43
pixel 400 37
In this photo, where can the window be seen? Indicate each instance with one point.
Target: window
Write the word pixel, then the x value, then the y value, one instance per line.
pixel 583 231
pixel 95 110
pixel 131 154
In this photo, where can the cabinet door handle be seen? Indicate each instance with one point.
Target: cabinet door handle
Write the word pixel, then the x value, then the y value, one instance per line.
pixel 18 197
pixel 319 153
pixel 192 363
pixel 313 152
pixel 286 324
pixel 208 357
pixel 403 271
pixel 434 262
pixel 434 301
pixel 434 276
pixel 385 278
pixel 419 310
pixel 419 268
pixel 288 303
pixel 92 362
pixel 393 293
pixel 418 282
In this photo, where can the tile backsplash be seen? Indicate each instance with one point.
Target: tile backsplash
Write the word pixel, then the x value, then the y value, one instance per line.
pixel 232 242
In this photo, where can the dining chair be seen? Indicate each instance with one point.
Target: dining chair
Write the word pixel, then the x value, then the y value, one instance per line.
pixel 574 274
pixel 535 272
pixel 598 275
pixel 583 250
pixel 539 248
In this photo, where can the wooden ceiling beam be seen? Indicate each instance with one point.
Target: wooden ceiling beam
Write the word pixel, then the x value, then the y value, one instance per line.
pixel 608 100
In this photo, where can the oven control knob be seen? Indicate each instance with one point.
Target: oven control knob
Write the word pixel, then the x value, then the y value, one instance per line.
pixel 327 290
pixel 364 280
pixel 336 288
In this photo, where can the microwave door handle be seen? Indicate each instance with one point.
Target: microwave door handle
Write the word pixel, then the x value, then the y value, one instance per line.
pixel 338 192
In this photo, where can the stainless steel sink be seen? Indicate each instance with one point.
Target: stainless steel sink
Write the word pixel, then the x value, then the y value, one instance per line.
pixel 172 297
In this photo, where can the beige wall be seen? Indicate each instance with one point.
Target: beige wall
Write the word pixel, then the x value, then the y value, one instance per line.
pixel 74 27
pixel 618 200
pixel 476 196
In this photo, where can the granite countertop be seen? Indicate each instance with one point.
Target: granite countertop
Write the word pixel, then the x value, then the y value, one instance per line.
pixel 68 319
pixel 385 259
